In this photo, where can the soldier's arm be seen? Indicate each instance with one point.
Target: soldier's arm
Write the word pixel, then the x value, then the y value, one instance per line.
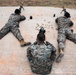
pixel 53 54
pixel 29 55
pixel 22 18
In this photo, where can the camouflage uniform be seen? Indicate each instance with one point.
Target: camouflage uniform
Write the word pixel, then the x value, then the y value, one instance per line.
pixel 64 31
pixel 41 57
pixel 12 26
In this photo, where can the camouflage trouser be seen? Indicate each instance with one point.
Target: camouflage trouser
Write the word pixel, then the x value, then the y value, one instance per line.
pixel 65 33
pixel 14 29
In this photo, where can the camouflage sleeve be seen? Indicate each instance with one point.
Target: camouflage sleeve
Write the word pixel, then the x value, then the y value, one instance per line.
pixel 53 54
pixel 29 55
pixel 53 48
pixel 22 18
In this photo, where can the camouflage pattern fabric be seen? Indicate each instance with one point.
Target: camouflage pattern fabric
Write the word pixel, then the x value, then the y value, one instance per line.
pixel 63 22
pixel 12 26
pixel 41 57
pixel 64 31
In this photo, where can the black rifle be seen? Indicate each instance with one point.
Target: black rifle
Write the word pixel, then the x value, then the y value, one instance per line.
pixel 63 10
pixel 21 7
pixel 42 30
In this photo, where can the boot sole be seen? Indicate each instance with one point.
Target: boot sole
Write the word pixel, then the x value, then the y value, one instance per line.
pixel 59 58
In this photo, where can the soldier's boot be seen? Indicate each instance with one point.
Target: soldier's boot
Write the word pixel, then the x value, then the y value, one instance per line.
pixel 23 43
pixel 61 54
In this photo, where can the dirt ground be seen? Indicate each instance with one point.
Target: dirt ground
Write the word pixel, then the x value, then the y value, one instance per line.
pixel 54 3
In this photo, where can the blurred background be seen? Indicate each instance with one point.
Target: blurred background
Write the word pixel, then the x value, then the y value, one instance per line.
pixel 54 3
